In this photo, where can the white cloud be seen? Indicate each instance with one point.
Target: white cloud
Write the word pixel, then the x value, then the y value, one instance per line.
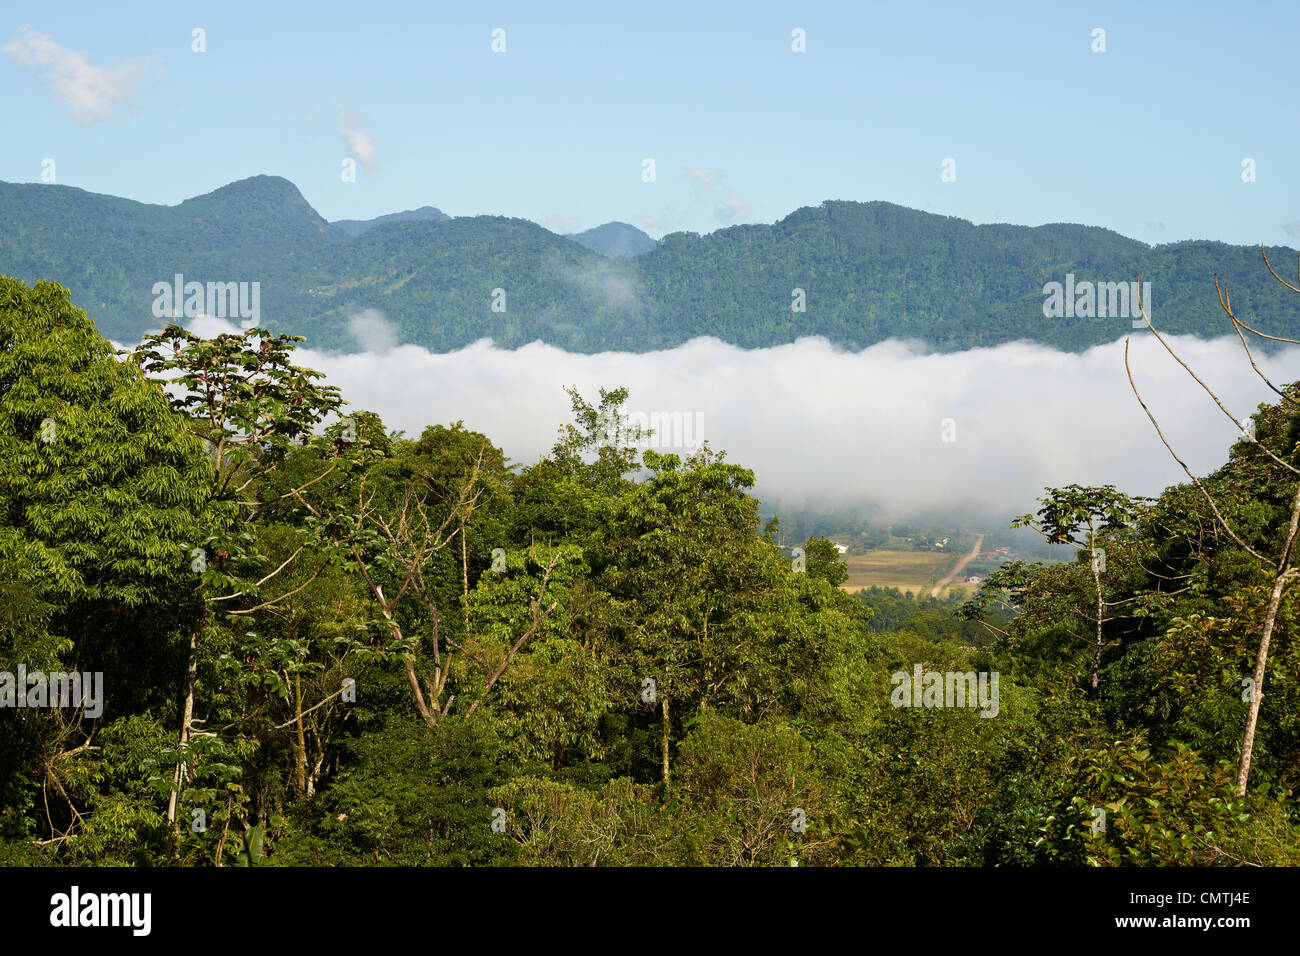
pixel 821 426
pixel 356 140
pixel 373 331
pixel 698 174
pixel 90 91
pixel 731 210
pixel 609 282
pixel 709 188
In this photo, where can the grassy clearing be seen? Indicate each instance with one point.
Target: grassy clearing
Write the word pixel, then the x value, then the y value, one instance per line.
pixel 914 571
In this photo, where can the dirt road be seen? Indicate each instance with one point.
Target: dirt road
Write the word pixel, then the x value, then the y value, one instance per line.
pixel 938 588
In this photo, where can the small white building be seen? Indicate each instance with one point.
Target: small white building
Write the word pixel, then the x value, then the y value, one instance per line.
pixel 841 548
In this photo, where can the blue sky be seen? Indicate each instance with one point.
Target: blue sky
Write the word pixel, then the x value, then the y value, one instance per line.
pixel 1147 138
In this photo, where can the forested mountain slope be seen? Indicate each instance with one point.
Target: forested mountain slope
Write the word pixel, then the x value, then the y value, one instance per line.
pixel 867 271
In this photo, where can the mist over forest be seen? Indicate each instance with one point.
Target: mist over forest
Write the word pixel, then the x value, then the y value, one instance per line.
pixel 837 429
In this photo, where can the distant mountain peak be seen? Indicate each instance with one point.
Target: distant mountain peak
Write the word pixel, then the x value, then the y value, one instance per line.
pixel 356 227
pixel 614 239
pixel 258 202
pixel 263 187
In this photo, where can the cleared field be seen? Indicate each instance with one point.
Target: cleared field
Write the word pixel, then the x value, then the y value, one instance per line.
pixel 914 571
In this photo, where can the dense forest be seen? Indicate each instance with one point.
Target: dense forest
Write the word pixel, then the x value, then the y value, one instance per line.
pixel 323 642
pixel 866 273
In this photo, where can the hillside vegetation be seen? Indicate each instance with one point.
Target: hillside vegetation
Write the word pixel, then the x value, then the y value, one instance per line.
pixel 869 272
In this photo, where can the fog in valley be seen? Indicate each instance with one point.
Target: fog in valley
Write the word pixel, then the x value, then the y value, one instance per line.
pixel 894 430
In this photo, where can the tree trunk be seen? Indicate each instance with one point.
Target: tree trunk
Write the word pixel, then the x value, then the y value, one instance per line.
pixel 225 828
pixel 430 718
pixel 1257 693
pixel 420 705
pixel 663 705
pixel 187 716
pixel 1284 574
pixel 1096 580
pixel 300 751
pixel 1096 657
pixel 464 577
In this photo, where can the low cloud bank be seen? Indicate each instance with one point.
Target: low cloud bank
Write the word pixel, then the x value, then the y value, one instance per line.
pixel 979 432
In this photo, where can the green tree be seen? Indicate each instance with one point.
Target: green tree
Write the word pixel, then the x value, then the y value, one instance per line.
pixel 1065 514
pixel 1276 553
pixel 250 405
pixel 824 561
pixel 102 492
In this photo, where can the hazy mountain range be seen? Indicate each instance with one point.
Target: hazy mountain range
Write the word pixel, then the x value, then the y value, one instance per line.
pixel 614 239
pixel 862 273
pixel 355 227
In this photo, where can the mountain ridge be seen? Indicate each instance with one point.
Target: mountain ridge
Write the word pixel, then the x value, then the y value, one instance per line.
pixel 358 227
pixel 855 272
